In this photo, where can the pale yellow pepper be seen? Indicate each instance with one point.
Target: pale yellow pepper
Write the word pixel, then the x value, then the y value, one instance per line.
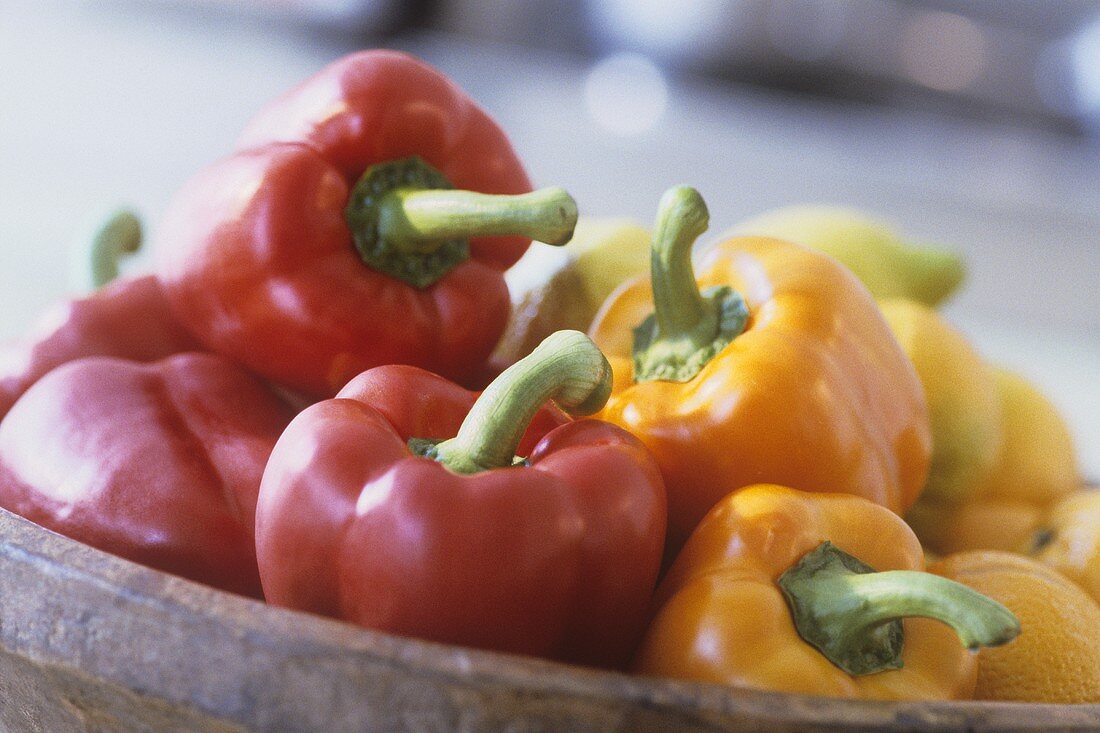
pixel 889 265
pixel 1035 467
pixel 963 403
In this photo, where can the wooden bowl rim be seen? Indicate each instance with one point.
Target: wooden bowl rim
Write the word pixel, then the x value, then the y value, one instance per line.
pixel 73 564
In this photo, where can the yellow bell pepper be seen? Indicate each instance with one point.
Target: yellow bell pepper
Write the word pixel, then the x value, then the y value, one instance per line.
pixel 774 365
pixel 887 264
pixel 1035 467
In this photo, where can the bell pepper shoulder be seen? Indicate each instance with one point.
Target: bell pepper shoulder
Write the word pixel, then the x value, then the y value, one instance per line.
pixel 365 220
pixel 128 318
pixel 773 364
pixel 407 505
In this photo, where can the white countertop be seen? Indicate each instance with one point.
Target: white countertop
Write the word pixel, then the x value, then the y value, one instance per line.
pixel 116 104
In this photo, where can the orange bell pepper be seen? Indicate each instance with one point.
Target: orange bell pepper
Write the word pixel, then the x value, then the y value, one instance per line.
pixel 778 589
pixel 781 370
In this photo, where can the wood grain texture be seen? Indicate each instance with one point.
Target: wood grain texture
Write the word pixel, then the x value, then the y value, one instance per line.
pixel 90 642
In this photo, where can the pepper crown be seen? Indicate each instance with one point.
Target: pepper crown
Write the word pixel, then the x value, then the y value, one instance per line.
pixel 687 328
pixel 408 222
pixel 852 614
pixel 566 367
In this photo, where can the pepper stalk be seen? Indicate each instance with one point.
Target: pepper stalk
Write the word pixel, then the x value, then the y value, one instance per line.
pixel 117 237
pixel 852 614
pixel 688 327
pixel 566 368
pixel 408 222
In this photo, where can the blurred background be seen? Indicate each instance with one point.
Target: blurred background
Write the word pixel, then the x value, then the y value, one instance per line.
pixel 972 124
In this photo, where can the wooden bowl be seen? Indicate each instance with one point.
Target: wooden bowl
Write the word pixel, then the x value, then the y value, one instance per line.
pixel 90 642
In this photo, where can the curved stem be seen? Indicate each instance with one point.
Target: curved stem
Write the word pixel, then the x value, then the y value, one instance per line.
pixel 852 614
pixel 680 310
pixel 688 327
pixel 566 367
pixel 120 235
pixel 420 220
pixel 896 594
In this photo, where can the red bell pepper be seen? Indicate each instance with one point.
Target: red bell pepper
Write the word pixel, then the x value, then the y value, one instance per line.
pixel 127 318
pixel 158 463
pixel 333 241
pixel 372 512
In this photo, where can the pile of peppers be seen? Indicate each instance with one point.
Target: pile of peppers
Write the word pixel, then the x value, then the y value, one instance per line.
pixel 299 406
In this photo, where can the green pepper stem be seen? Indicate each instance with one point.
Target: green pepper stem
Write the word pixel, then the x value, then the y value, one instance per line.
pixel 566 367
pixel 680 310
pixel 865 601
pixel 418 220
pixel 408 222
pixel 688 327
pixel 120 235
pixel 846 610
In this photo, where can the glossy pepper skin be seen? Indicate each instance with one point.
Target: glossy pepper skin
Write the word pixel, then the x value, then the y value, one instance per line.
pixel 158 463
pixel 1034 468
pixel 555 558
pixel 721 614
pixel 127 318
pixel 813 393
pixel 257 254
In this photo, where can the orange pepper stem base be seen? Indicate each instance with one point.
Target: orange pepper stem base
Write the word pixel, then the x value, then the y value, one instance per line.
pixel 852 614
